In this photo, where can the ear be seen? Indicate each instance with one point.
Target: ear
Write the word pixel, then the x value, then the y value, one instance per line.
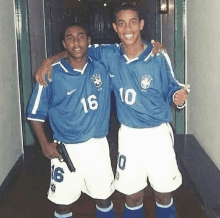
pixel 115 27
pixel 89 40
pixel 64 45
pixel 141 24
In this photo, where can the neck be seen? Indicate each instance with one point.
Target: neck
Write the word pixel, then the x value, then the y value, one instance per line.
pixel 77 63
pixel 133 50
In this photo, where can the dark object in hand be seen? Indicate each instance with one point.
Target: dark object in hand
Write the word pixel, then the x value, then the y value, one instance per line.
pixel 65 157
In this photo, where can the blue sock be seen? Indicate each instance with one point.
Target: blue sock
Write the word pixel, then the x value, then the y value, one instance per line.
pixel 105 212
pixel 57 215
pixel 133 212
pixel 167 211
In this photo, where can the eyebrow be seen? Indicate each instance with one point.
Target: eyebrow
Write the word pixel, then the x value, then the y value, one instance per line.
pixel 134 18
pixel 81 33
pixel 130 19
pixel 68 35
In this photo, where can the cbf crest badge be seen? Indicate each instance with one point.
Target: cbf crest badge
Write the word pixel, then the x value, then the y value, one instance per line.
pixel 145 82
pixel 97 80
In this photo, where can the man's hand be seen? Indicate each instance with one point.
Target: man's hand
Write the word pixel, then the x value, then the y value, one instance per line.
pixel 157 47
pixel 50 150
pixel 180 97
pixel 43 71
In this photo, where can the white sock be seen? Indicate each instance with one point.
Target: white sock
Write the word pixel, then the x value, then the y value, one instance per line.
pixel 63 215
pixel 165 206
pixel 134 208
pixel 105 209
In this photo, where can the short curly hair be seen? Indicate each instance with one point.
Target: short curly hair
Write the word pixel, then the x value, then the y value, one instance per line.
pixel 125 6
pixel 72 24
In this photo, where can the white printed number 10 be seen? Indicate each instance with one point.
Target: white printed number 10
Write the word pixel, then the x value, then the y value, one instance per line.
pixel 128 96
pixel 90 103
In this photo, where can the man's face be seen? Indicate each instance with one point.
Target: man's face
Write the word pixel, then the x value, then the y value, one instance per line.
pixel 128 26
pixel 76 42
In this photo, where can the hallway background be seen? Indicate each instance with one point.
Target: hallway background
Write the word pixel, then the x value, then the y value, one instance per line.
pixel 190 33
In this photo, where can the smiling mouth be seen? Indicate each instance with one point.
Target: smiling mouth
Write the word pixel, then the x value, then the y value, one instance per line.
pixel 77 49
pixel 128 36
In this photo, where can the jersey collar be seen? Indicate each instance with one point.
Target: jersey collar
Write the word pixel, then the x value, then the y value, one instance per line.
pixel 143 55
pixel 69 69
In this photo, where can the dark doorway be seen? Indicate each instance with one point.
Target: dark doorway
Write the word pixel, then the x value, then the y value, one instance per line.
pixel 97 15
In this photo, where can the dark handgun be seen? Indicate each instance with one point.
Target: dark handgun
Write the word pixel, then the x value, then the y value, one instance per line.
pixel 65 157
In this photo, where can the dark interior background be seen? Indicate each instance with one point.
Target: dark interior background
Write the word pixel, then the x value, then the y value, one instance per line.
pixel 95 15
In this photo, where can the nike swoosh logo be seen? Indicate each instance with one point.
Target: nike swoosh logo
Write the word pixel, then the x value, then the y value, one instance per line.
pixel 71 92
pixel 111 75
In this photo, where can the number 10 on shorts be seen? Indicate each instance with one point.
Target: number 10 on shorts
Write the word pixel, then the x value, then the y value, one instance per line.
pixel 121 162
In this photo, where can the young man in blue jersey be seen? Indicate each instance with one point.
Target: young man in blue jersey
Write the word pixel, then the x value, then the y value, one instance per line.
pixel 144 87
pixel 77 103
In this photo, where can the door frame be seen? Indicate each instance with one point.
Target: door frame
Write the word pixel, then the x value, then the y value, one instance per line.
pixel 24 65
pixel 179 116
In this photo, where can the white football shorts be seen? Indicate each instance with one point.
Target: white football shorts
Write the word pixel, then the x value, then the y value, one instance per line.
pixel 93 176
pixel 147 153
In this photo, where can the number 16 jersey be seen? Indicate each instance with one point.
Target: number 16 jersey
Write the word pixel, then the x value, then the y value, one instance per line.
pixel 76 102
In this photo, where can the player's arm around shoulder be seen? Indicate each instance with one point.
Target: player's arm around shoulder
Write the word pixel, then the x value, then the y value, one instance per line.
pixel 44 70
pixel 158 48
pixel 103 53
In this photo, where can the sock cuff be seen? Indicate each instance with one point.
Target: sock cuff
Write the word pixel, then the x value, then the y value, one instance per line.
pixel 67 215
pixel 134 208
pixel 165 206
pixel 105 209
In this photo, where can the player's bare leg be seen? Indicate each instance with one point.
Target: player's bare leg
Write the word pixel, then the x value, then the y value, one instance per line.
pixel 103 203
pixel 104 208
pixel 164 205
pixel 162 198
pixel 134 205
pixel 135 200
pixel 63 211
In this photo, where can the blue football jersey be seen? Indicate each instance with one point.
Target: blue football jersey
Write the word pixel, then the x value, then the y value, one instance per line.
pixel 77 103
pixel 143 86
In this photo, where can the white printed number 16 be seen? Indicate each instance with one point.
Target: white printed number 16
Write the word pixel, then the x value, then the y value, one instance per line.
pixel 128 96
pixel 90 102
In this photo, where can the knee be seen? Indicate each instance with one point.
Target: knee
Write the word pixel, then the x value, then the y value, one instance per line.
pixel 135 200
pixel 162 198
pixel 63 209
pixel 103 203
